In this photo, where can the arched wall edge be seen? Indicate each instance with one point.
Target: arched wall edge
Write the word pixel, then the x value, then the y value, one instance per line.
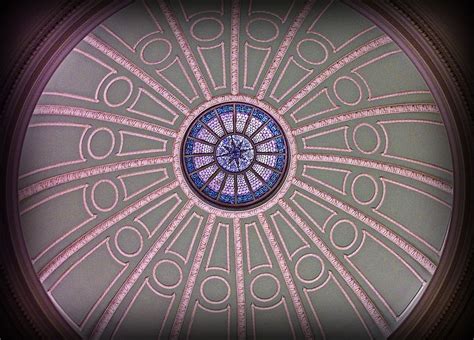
pixel 450 288
pixel 441 305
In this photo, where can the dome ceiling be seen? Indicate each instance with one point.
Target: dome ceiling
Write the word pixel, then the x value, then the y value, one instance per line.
pixel 126 244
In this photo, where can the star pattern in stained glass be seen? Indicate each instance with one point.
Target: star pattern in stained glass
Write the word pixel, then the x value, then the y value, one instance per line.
pixel 234 155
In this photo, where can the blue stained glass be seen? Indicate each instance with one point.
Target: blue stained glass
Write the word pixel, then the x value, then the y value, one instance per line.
pixel 208 191
pixel 226 198
pixel 189 147
pixel 227 141
pixel 280 144
pixel 195 130
pixel 209 116
pixel 261 191
pixel 273 179
pixel 260 116
pixel 190 164
pixel 280 163
pixel 197 180
pixel 225 109
pixel 243 108
pixel 274 129
pixel 244 198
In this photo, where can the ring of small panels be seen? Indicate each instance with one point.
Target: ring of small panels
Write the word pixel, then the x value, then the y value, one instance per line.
pixel 230 188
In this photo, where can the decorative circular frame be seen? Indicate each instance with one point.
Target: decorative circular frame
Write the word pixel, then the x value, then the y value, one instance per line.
pixel 190 192
pixel 442 303
pixel 210 180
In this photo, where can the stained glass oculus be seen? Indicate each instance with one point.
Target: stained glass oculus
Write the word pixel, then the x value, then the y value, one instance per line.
pixel 235 156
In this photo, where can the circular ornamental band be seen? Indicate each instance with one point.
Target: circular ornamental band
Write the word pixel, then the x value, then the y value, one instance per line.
pixel 234 156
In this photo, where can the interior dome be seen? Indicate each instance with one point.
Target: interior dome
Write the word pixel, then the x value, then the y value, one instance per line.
pixel 358 200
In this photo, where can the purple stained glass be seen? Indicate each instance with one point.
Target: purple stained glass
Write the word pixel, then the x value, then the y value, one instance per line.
pixel 229 156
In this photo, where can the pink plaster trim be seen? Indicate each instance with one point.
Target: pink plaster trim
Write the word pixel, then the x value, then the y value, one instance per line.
pixel 342 190
pixel 322 61
pixel 336 263
pixel 356 234
pixel 186 297
pixel 58 165
pixel 136 273
pixel 184 74
pixel 135 70
pixel 293 290
pixel 111 148
pixel 96 95
pixel 220 47
pixel 89 313
pixel 283 19
pixel 346 147
pixel 234 47
pixel 285 44
pixel 320 227
pixel 239 281
pixel 372 112
pixel 370 164
pixel 146 283
pixel 250 267
pixel 185 258
pixel 332 69
pixel 102 116
pixel 183 43
pixel 127 227
pixel 308 101
pixel 376 135
pixel 164 218
pixel 404 228
pixel 277 284
pixel 282 240
pixel 188 17
pixel 226 269
pixel 49 198
pixel 417 255
pixel 316 278
pixel 268 50
pixel 123 135
pixel 283 74
pixel 376 189
pixel 127 97
pixel 334 87
pixel 356 311
pixel 79 243
pixel 161 284
pixel 73 229
pixel 277 30
pixel 159 102
pixel 159 61
pixel 377 293
pixel 197 305
pixel 88 172
pixel 139 173
pixel 116 195
pixel 221 31
pixel 221 212
pixel 406 159
pixel 206 298
pixel 127 46
pixel 396 94
pixel 285 307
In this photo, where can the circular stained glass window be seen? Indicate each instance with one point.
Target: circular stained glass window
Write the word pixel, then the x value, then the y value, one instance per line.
pixel 235 155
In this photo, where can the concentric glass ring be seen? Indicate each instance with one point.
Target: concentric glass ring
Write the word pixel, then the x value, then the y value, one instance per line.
pixel 235 156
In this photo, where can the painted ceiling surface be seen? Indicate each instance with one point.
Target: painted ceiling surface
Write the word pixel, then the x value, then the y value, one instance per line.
pixel 124 247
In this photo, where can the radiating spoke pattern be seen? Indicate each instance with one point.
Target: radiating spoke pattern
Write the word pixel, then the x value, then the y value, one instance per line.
pixel 230 169
pixel 243 164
